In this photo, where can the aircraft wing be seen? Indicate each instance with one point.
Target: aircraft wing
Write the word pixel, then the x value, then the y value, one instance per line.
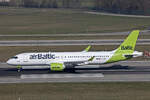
pixel 59 66
pixel 80 62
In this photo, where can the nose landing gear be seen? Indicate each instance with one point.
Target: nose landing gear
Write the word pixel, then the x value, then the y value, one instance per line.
pixel 19 68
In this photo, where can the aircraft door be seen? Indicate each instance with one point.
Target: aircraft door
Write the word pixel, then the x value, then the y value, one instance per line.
pixel 24 59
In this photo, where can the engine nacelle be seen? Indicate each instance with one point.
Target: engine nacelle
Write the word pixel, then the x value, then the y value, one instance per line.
pixel 57 66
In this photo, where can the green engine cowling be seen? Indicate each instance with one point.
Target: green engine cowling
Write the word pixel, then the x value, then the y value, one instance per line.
pixel 57 66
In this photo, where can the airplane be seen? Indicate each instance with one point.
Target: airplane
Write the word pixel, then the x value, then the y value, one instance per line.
pixel 58 61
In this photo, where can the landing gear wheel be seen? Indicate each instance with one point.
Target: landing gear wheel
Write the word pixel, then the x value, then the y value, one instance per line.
pixel 19 68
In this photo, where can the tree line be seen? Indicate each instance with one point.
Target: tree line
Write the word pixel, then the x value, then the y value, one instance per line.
pixel 124 6
pixel 115 6
pixel 42 3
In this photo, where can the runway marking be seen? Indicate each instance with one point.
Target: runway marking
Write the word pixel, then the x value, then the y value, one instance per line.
pixel 35 76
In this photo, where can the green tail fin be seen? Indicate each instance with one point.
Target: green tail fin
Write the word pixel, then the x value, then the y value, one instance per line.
pixel 128 45
pixel 126 48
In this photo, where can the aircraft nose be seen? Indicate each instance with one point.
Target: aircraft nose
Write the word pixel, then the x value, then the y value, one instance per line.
pixel 9 62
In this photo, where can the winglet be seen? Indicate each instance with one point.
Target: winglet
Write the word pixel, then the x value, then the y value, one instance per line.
pixel 87 49
pixel 91 59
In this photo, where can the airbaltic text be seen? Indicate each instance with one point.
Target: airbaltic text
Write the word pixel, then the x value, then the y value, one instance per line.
pixel 42 56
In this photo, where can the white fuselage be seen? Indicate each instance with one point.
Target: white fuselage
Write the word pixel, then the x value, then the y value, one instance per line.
pixel 57 61
pixel 45 58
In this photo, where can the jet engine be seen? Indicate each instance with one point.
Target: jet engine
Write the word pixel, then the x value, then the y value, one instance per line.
pixel 57 66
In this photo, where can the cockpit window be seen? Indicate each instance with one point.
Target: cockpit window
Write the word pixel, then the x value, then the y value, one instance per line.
pixel 15 57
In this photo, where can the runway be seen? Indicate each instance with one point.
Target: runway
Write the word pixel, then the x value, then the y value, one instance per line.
pixel 118 72
pixel 69 42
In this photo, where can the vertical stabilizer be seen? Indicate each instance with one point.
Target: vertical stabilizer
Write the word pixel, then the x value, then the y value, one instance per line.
pixel 128 45
pixel 126 49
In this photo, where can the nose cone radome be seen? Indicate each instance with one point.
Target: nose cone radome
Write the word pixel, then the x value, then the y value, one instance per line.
pixel 10 62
